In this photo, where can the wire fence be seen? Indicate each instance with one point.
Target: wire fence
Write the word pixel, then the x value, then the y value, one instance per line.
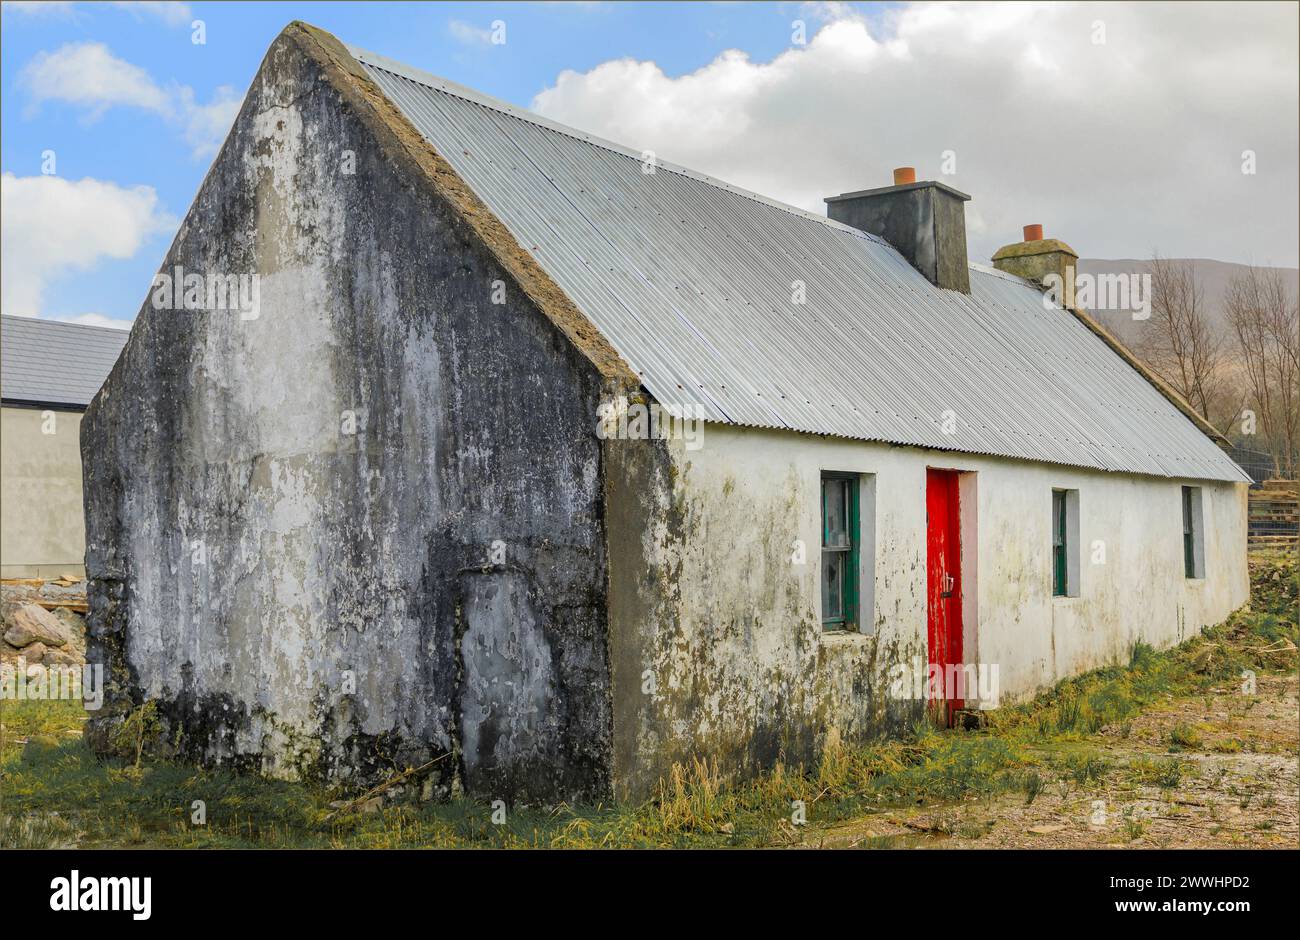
pixel 1261 465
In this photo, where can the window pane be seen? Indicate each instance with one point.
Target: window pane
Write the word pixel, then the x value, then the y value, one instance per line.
pixel 1058 518
pixel 836 528
pixel 1190 534
pixel 833 585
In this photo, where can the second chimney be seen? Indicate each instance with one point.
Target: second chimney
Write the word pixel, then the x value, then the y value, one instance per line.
pixel 925 221
pixel 1037 257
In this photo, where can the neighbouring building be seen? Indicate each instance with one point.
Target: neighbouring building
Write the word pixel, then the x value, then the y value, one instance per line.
pixel 49 371
pixel 451 434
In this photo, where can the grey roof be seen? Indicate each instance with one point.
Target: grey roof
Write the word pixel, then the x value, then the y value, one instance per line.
pixel 690 279
pixel 51 363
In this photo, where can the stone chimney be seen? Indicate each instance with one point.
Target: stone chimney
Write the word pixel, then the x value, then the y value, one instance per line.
pixel 1037 257
pixel 925 221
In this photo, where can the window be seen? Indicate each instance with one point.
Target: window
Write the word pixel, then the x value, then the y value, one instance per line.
pixel 1065 543
pixel 1193 533
pixel 1058 543
pixel 841 551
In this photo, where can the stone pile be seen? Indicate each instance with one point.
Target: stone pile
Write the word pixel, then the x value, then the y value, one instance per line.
pixel 41 621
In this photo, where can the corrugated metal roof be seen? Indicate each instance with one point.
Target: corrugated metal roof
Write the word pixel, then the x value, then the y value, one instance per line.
pixel 691 280
pixel 52 363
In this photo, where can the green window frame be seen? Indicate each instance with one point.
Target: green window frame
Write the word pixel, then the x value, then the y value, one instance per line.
pixel 841 550
pixel 1066 539
pixel 1190 495
pixel 1060 556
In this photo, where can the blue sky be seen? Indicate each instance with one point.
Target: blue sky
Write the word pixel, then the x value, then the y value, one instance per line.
pixel 159 129
pixel 131 146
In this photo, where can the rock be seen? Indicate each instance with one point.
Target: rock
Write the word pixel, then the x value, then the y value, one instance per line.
pixel 74 627
pixel 62 591
pixel 13 597
pixel 34 652
pixel 30 624
pixel 372 805
pixel 64 656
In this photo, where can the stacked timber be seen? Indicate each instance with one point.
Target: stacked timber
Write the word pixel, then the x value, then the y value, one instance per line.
pixel 1274 515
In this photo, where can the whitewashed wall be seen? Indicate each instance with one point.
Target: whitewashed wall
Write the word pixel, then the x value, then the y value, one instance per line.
pixel 1138 592
pixel 747 656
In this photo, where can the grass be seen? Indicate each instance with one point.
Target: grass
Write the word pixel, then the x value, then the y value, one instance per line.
pixel 55 792
pixel 1184 737
pixel 1166 773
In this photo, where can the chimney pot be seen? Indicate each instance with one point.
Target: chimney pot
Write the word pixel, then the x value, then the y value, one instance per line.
pixel 904 175
pixel 1034 233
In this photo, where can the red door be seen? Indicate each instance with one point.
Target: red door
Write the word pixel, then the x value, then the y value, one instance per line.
pixel 943 586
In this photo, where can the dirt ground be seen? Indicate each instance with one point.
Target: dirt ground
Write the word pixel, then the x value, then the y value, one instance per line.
pixel 1234 784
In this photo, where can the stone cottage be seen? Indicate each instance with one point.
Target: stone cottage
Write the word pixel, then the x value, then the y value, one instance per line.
pixel 448 434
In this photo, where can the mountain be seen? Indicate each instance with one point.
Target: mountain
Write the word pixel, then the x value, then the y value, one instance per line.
pixel 1213 277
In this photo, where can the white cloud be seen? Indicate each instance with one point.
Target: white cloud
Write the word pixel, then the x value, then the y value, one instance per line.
pixel 1116 147
pixel 54 226
pixel 469 34
pixel 171 13
pixel 96 319
pixel 206 125
pixel 89 76
pixel 59 8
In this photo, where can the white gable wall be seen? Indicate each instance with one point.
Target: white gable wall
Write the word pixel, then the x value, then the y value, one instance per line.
pixel 740 661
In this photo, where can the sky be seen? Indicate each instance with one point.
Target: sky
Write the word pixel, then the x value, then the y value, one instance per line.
pixel 1124 129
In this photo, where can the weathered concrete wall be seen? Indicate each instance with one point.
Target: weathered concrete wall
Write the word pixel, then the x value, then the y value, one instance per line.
pixel 42 532
pixel 306 598
pixel 711 614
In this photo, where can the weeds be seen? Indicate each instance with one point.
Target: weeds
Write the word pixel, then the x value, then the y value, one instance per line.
pixel 1166 773
pixel 56 792
pixel 1033 785
pixel 138 728
pixel 1087 769
pixel 1184 737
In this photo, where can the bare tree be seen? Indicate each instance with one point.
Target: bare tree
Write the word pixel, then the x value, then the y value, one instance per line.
pixel 1182 344
pixel 1265 320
